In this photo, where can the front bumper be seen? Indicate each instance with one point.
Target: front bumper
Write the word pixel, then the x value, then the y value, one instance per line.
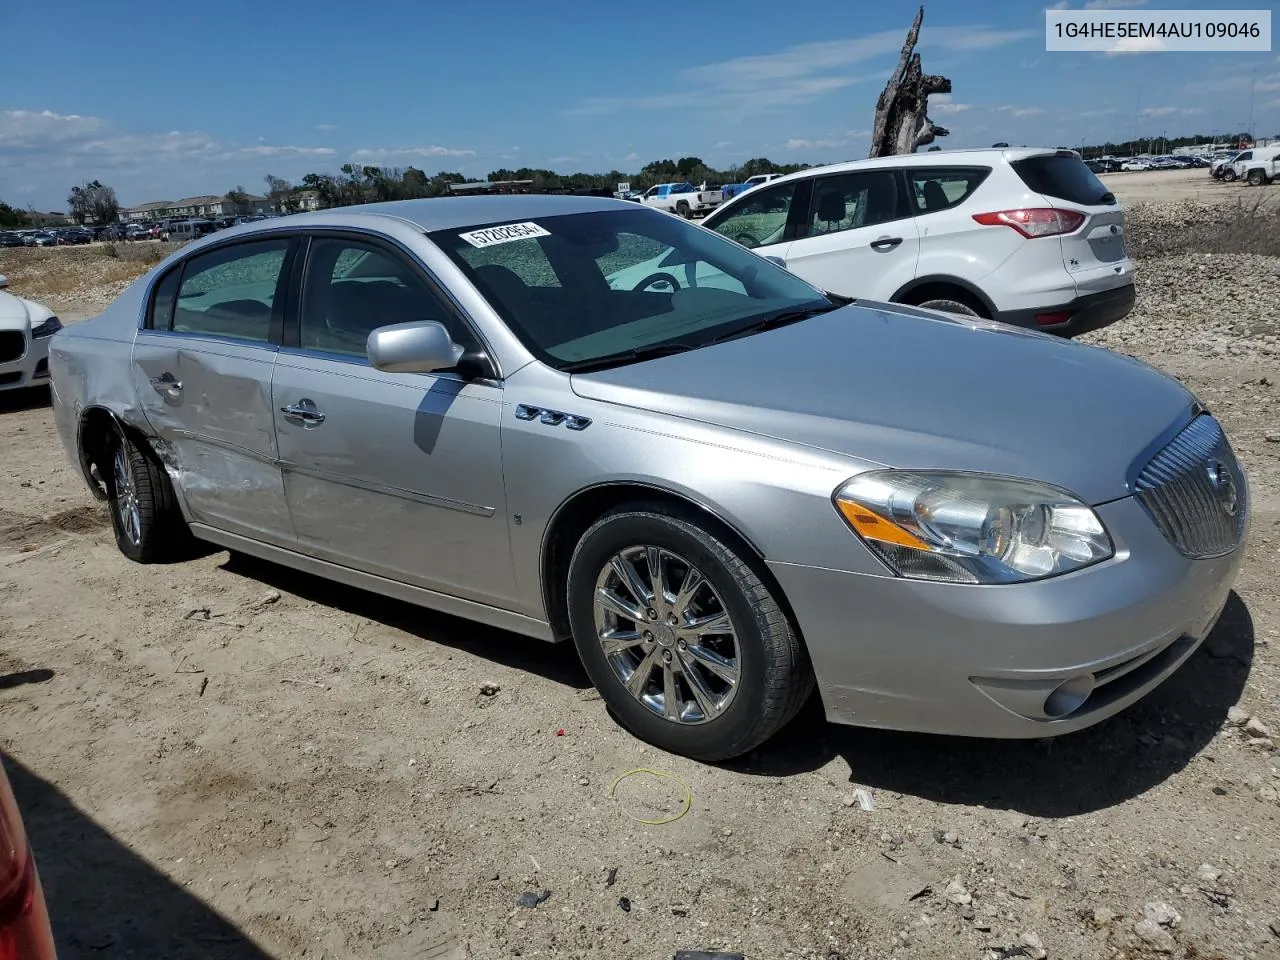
pixel 1090 312
pixel 29 370
pixel 985 661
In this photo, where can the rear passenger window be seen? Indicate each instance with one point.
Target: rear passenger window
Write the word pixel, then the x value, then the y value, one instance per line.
pixel 936 188
pixel 852 200
pixel 166 292
pixel 1063 177
pixel 230 292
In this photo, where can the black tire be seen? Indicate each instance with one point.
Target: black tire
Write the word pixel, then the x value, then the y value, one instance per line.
pixel 682 208
pixel 1229 175
pixel 775 677
pixel 949 306
pixel 162 534
pixel 1257 178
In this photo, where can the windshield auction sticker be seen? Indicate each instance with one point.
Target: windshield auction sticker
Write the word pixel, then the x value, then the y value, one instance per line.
pixel 506 234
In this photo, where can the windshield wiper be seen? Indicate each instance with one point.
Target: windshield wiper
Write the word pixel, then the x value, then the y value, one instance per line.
pixel 629 356
pixel 774 320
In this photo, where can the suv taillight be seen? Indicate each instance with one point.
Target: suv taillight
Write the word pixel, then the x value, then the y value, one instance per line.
pixel 24 921
pixel 1034 221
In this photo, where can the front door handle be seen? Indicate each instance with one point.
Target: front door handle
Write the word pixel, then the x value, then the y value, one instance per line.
pixel 303 412
pixel 166 384
pixel 885 243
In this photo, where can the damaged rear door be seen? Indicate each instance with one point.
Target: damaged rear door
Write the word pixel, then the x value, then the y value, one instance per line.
pixel 202 368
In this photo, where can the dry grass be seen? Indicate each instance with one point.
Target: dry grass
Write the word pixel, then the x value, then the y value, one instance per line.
pixel 50 273
pixel 1250 225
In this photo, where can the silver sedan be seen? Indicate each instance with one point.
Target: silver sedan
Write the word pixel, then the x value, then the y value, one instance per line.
pixel 578 418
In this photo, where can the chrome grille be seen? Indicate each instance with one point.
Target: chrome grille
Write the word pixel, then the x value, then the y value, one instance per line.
pixel 1195 491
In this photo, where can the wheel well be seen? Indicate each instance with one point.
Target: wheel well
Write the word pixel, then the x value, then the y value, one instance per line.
pixel 573 519
pixel 97 425
pixel 942 289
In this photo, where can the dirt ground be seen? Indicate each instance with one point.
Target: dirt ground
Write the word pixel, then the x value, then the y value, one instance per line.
pixel 224 759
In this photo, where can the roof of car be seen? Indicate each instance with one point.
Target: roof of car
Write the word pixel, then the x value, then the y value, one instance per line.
pixel 932 158
pixel 447 213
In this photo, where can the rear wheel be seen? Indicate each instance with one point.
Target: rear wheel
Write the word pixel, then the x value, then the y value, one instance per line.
pixel 144 512
pixel 682 638
pixel 682 208
pixel 1257 178
pixel 949 306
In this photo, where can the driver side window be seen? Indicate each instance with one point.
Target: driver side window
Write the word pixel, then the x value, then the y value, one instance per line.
pixel 352 288
pixel 761 218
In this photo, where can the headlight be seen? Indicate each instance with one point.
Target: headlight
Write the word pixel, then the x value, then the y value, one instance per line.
pixel 46 329
pixel 971 528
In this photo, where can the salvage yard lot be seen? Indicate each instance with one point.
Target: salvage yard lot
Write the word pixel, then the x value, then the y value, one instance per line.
pixel 225 759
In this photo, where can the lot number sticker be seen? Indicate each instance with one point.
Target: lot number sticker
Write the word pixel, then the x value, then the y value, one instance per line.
pixel 512 231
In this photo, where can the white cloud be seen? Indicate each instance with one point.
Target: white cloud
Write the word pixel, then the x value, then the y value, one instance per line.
pixel 1135 45
pixel 42 153
pixel 826 143
pixel 1019 111
pixel 1113 4
pixel 25 129
pixel 941 104
pixel 373 155
pixel 1157 112
pixel 1060 5
pixel 326 127
pixel 722 144
pixel 796 75
pixel 273 151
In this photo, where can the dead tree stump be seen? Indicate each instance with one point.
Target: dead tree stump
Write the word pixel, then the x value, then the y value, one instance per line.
pixel 902 122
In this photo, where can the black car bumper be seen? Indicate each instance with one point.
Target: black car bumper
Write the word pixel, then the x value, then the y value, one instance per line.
pixel 1091 312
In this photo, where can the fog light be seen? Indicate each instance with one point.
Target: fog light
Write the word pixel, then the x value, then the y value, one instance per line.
pixel 1068 696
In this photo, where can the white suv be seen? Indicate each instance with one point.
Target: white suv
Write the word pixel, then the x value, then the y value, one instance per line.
pixel 1025 236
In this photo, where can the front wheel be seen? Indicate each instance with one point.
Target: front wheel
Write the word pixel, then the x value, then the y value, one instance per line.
pixel 1257 178
pixel 1229 176
pixel 685 642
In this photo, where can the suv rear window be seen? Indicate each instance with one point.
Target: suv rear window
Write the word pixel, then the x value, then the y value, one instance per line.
pixel 1064 177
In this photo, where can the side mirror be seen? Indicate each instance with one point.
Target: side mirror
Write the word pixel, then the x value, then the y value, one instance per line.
pixel 422 346
pixel 4 281
pixel 777 260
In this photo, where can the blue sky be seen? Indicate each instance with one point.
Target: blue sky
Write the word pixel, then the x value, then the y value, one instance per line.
pixel 172 99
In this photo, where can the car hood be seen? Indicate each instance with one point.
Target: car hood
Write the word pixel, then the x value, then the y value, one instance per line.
pixel 916 389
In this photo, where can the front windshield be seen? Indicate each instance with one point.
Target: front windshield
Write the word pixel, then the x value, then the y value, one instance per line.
pixel 585 287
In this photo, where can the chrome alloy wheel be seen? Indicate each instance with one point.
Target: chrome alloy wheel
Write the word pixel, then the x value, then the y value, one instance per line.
pixel 126 498
pixel 667 634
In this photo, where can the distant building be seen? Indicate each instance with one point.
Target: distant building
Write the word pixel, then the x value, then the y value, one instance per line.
pixel 305 201
pixel 203 207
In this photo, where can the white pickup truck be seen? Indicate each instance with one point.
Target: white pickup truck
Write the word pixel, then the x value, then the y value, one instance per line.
pixel 1259 167
pixel 682 198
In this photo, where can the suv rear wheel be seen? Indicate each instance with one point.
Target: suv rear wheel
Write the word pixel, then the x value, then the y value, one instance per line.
pixel 949 306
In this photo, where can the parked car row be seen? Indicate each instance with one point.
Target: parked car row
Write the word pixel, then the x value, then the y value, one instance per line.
pixel 53 237
pixel 1117 164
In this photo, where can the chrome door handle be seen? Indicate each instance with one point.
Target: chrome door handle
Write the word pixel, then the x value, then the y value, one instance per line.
pixel 885 243
pixel 167 384
pixel 303 412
